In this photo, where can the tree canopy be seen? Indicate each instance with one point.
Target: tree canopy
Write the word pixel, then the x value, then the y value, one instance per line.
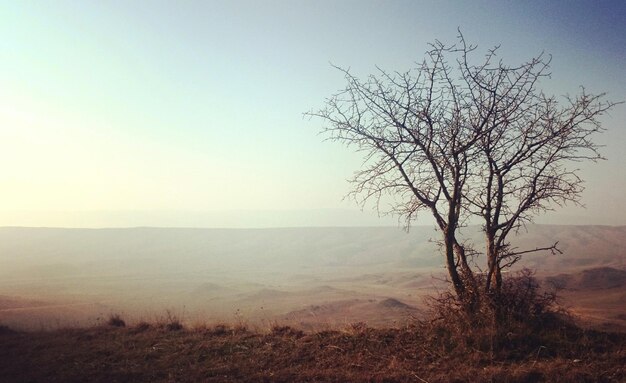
pixel 466 139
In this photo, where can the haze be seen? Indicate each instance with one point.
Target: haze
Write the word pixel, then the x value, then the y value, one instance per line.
pixel 309 277
pixel 153 114
pixel 154 156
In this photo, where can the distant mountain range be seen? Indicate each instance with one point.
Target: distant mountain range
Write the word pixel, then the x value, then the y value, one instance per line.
pixel 52 252
pixel 310 276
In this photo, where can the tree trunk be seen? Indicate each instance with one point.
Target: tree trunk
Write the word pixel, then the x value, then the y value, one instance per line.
pixel 457 282
pixel 492 264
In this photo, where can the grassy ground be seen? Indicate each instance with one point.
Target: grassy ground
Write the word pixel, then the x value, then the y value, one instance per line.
pixel 167 353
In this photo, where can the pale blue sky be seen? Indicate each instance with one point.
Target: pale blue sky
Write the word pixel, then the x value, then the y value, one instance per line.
pixel 149 112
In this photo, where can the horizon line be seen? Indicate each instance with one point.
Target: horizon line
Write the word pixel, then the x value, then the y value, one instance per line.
pixel 274 227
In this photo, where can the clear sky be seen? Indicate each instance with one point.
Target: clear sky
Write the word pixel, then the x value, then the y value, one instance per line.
pixel 163 113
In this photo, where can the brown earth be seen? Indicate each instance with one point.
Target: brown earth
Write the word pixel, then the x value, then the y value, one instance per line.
pixel 311 278
pixel 595 296
pixel 152 353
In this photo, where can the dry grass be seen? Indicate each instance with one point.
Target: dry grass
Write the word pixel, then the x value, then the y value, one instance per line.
pixel 223 353
pixel 116 320
pixel 526 340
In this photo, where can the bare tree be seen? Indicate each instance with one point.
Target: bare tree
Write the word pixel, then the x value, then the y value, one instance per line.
pixel 462 140
pixel 416 147
pixel 527 164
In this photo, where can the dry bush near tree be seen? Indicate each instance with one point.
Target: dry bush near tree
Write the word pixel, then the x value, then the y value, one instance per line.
pixel 464 139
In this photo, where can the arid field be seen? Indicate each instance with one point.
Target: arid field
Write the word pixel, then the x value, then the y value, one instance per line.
pixel 165 353
pixel 310 278
pixel 286 305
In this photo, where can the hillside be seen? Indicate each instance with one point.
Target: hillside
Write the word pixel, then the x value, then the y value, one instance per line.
pixel 597 296
pixel 147 353
pixel 307 277
pixel 312 278
pixel 316 305
pixel 50 252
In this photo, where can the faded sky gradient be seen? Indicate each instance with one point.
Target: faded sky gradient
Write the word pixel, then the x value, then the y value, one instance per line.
pixel 161 113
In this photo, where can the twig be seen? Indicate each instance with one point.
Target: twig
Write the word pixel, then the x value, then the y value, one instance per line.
pixel 421 380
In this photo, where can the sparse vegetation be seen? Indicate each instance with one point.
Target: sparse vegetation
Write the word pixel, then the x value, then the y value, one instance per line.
pixel 527 320
pixel 142 326
pixel 531 341
pixel 424 352
pixel 116 321
pixel 171 322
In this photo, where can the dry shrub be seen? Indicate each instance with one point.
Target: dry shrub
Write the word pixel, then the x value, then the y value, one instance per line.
pixel 523 319
pixel 116 321
pixel 240 328
pixel 223 329
pixel 174 325
pixel 523 300
pixel 286 331
pixel 171 322
pixel 220 329
pixel 142 326
pixel 356 328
